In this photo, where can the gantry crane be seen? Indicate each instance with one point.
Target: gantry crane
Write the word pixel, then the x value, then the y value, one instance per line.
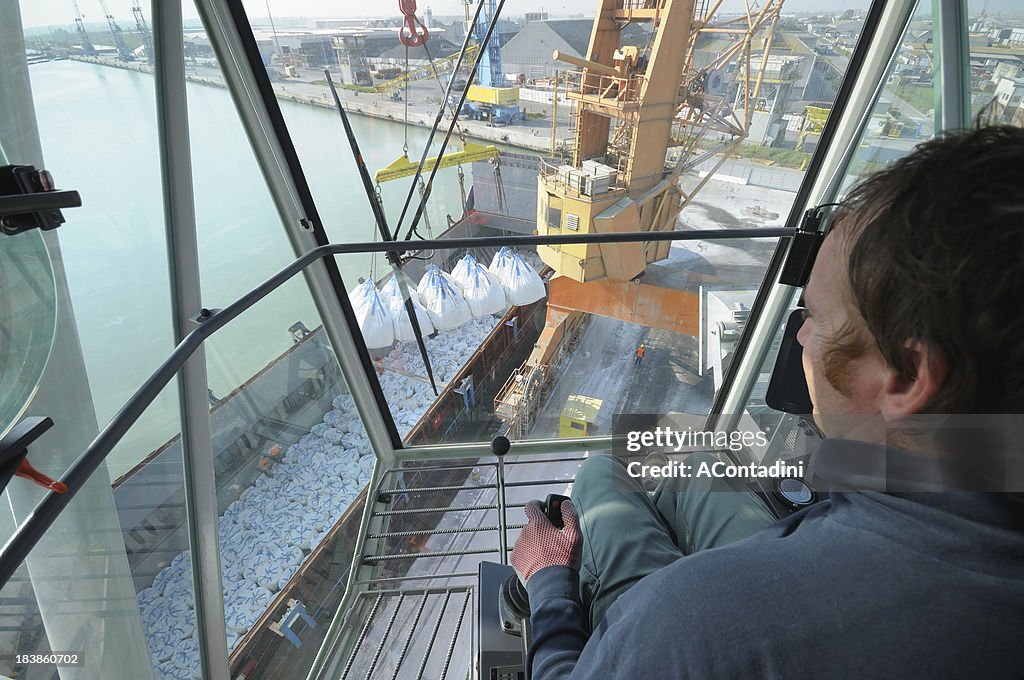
pixel 143 28
pixel 83 36
pixel 123 52
pixel 643 115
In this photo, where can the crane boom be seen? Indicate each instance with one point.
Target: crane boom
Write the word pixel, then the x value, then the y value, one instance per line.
pixel 143 28
pixel 83 36
pixel 123 52
pixel 429 71
pixel 489 73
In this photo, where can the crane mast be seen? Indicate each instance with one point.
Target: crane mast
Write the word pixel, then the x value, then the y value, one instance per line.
pixel 143 28
pixel 87 47
pixel 123 52
pixel 489 99
pixel 489 72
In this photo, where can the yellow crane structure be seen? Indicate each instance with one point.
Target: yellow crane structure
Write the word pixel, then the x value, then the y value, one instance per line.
pixel 642 117
pixel 404 167
pixel 431 70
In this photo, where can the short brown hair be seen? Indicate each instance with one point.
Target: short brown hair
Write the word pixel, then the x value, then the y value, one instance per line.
pixel 938 257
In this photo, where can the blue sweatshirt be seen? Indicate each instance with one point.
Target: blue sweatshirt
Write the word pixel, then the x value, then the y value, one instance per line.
pixel 865 585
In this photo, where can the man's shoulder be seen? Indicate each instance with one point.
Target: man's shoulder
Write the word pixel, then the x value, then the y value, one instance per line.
pixel 822 589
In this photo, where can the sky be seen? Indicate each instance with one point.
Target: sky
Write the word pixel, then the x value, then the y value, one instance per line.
pixel 61 12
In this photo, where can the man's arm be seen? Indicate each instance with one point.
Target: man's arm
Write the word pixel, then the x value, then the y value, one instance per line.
pixel 546 559
pixel 556 620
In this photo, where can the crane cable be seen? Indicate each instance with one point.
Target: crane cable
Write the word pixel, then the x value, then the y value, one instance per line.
pixel 405 125
pixel 445 100
pixel 462 189
pixel 437 122
pixel 499 186
pixel 426 219
pixel 394 257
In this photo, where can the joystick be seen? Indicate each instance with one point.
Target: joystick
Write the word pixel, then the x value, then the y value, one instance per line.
pixel 552 507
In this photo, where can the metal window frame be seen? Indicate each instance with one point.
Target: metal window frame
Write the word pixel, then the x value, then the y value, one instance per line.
pixel 186 301
pixel 951 46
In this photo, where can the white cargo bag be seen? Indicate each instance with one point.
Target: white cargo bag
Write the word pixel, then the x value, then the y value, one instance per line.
pixel 442 300
pixel 460 274
pixel 521 283
pixel 499 263
pixel 403 325
pixel 361 294
pixel 483 293
pixel 374 318
pixel 391 290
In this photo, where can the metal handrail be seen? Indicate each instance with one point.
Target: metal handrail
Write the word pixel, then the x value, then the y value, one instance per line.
pixel 209 322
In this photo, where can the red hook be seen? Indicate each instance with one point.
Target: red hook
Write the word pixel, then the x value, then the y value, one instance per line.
pixel 415 37
pixel 28 472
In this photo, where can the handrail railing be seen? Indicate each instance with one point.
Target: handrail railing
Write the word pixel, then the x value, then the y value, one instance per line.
pixel 49 508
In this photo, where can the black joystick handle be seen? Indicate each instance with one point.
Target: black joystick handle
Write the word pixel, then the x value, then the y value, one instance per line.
pixel 552 507
pixel 500 445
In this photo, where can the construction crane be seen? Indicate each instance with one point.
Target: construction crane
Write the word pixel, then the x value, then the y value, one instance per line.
pixel 123 52
pixel 143 28
pixel 431 70
pixel 489 99
pixel 643 115
pixel 87 47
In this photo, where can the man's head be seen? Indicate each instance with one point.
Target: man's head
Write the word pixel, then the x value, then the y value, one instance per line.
pixel 913 302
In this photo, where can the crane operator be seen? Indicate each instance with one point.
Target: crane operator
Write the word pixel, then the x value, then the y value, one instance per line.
pixel 912 318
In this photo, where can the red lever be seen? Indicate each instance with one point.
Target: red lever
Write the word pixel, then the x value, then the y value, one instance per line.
pixel 414 38
pixel 28 472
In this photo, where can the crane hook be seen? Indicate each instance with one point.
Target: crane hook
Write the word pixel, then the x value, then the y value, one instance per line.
pixel 414 37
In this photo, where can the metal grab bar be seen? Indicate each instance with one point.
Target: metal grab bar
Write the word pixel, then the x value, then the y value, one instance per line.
pixel 49 508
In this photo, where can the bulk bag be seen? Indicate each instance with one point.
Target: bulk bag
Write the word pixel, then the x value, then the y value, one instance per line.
pixel 483 294
pixel 373 316
pixel 391 290
pixel 442 300
pixel 400 317
pixel 521 283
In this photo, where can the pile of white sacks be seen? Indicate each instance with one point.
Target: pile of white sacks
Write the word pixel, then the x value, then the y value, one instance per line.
pixel 444 301
pixel 269 531
pixel 265 536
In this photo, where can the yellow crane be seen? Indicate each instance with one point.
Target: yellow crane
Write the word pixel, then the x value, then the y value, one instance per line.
pixel 632 106
pixel 431 70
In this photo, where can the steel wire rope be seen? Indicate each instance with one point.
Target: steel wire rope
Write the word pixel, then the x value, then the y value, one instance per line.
pixel 405 122
pixel 445 99
pixel 462 99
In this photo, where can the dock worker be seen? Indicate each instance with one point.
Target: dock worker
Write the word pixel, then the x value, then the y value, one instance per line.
pixel 912 320
pixel 640 351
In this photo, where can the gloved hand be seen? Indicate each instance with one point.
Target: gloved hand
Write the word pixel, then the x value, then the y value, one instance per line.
pixel 542 544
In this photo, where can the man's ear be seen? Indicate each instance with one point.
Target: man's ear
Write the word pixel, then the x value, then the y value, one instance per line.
pixel 906 395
